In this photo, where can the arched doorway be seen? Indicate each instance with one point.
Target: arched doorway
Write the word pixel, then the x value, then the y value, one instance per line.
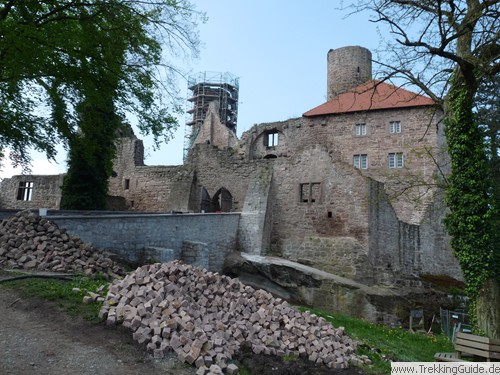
pixel 206 204
pixel 222 201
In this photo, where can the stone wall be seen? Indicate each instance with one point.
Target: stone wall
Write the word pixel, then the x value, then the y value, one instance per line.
pixel 213 131
pixel 136 236
pixel 320 214
pixel 420 141
pixel 148 188
pixel 406 254
pixel 44 191
pixel 217 168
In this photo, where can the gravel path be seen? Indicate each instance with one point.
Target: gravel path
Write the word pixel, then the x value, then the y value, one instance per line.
pixel 37 338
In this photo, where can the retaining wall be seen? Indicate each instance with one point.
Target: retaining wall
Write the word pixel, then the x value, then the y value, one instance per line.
pixel 158 237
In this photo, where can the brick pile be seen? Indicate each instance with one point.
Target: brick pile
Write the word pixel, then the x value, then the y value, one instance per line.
pixel 205 318
pixel 30 242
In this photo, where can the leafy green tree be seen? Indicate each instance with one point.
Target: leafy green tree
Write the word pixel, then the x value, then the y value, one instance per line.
pixel 447 48
pixel 108 57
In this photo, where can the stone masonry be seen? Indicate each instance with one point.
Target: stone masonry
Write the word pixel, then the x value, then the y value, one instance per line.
pixel 349 187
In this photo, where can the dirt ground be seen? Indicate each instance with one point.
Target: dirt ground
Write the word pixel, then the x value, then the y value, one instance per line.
pixel 36 337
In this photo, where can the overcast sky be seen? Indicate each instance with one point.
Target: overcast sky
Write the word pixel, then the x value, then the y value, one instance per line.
pixel 278 50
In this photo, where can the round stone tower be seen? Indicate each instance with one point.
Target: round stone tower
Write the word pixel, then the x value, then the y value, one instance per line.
pixel 348 67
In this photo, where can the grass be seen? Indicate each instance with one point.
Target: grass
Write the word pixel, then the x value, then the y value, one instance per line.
pixel 61 293
pixel 383 344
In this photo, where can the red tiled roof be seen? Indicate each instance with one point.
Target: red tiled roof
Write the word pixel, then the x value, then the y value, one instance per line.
pixel 371 96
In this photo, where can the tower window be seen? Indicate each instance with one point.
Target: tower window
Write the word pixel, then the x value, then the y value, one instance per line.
pixel 127 184
pixel 25 191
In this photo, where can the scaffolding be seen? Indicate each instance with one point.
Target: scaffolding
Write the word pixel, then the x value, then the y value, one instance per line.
pixel 205 88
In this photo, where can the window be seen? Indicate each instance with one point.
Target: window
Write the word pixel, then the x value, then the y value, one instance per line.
pixel 310 192
pixel 394 127
pixel 360 129
pixel 360 161
pixel 25 191
pixel 127 184
pixel 396 160
pixel 272 138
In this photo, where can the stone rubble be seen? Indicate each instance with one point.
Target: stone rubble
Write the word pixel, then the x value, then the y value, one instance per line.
pixel 31 242
pixel 205 318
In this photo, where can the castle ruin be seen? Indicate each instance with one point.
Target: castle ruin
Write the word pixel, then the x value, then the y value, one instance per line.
pixel 350 188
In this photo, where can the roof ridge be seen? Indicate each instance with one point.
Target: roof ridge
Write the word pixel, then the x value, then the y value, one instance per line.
pixel 371 95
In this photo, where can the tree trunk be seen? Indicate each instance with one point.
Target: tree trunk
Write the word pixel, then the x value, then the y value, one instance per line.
pixel 488 308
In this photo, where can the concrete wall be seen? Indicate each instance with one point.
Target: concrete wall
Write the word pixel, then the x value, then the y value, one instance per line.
pixel 201 239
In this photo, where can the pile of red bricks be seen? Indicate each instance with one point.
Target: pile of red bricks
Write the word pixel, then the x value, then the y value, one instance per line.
pixel 30 242
pixel 205 318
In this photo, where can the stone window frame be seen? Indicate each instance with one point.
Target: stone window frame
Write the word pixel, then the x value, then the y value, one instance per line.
pixel 395 160
pixel 310 192
pixel 126 184
pixel 360 129
pixel 395 127
pixel 25 191
pixel 360 161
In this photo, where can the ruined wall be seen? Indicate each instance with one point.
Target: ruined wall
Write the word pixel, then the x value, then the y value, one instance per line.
pixel 403 253
pixel 213 131
pixel 215 169
pixel 148 188
pixel 320 214
pixel 44 191
pixel 420 140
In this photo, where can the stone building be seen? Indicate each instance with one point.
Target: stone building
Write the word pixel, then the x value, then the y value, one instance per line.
pixel 349 188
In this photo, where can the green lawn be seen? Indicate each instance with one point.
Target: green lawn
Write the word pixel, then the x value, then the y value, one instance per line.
pixel 383 344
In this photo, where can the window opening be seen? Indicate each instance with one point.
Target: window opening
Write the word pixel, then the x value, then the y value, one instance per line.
pixel 310 192
pixel 25 191
pixel 360 129
pixel 360 161
pixel 394 127
pixel 127 184
pixel 396 160
pixel 272 138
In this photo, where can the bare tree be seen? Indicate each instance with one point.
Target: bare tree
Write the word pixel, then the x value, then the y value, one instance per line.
pixel 446 48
